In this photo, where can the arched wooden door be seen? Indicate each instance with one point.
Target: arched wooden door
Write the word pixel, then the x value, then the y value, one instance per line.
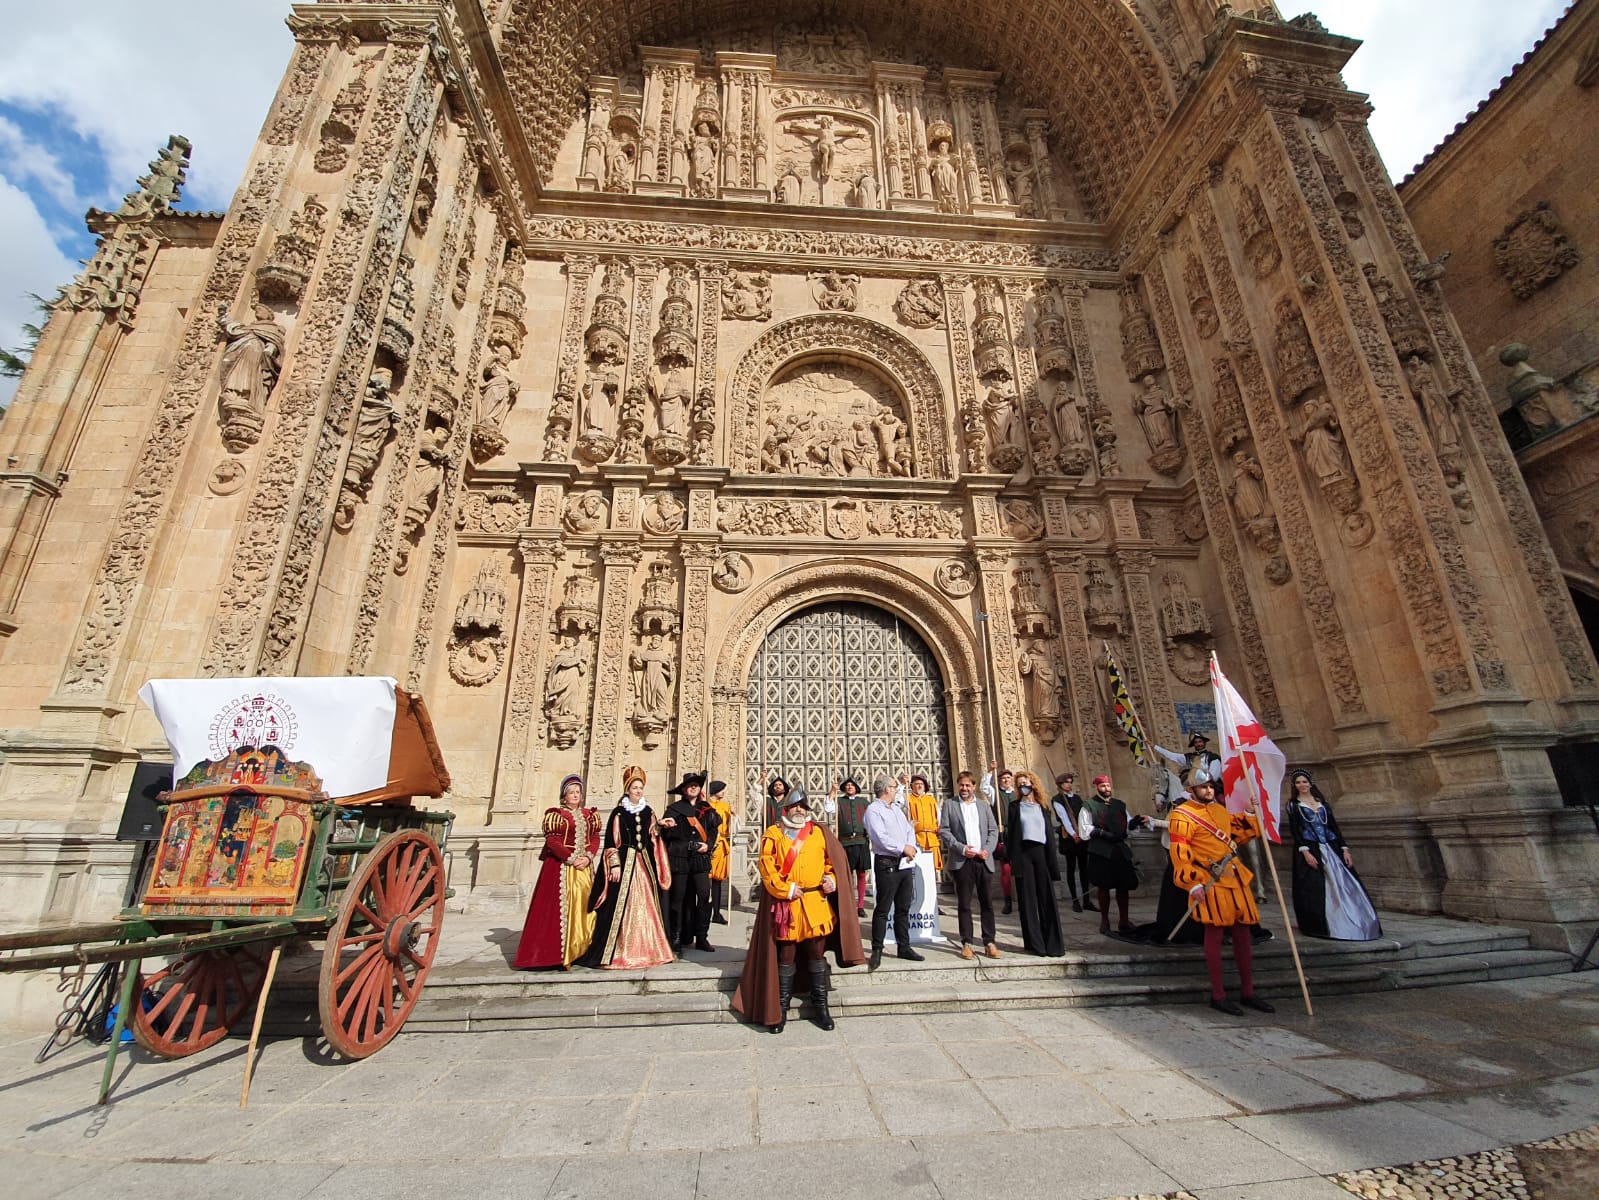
pixel 846 688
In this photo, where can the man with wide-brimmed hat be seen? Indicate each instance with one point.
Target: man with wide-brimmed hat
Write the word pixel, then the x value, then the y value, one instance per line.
pixel 803 871
pixel 687 906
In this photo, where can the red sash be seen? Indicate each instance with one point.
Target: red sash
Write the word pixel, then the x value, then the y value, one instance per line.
pixel 1226 839
pixel 799 844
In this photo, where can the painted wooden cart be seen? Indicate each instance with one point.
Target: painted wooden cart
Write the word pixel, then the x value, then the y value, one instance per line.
pixel 253 852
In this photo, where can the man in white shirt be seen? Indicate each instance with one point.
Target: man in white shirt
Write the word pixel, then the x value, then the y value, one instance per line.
pixel 893 840
pixel 969 833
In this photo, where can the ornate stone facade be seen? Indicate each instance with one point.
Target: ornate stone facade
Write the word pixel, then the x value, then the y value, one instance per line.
pixel 556 413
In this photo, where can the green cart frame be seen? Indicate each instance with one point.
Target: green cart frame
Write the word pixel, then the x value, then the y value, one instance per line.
pixel 253 852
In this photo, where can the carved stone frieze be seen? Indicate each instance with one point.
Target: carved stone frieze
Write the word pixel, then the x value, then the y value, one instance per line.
pixel 770 518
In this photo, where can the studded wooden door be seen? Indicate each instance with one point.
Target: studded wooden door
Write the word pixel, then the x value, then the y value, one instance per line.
pixel 845 688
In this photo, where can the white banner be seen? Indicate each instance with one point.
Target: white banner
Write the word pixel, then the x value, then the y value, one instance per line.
pixel 924 900
pixel 1252 766
pixel 342 726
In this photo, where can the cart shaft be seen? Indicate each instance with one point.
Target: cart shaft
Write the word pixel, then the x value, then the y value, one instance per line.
pixel 177 943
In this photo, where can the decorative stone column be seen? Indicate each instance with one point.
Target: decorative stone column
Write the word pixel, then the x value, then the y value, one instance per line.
pixel 1066 570
pixel 693 753
pixel 539 552
pixel 620 552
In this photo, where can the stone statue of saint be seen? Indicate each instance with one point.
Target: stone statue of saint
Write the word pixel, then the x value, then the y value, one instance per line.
pixel 250 366
pixel 703 148
pixel 945 179
pixel 499 390
pixel 890 433
pixel 1069 418
pixel 866 191
pixel 1434 404
pixel 672 387
pixel 1323 443
pixel 564 694
pixel 1158 412
pixel 372 427
pixel 999 415
pixel 653 671
pixel 790 187
pixel 1042 674
pixel 1249 492
pixel 600 400
pixel 618 164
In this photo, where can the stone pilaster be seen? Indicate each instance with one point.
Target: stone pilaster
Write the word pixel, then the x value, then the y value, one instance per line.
pixel 1155 705
pixel 620 552
pixel 1066 572
pixel 538 553
pixel 692 749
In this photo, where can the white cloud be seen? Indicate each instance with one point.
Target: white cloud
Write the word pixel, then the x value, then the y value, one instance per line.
pixel 23 160
pixel 32 264
pixel 1428 63
pixel 127 81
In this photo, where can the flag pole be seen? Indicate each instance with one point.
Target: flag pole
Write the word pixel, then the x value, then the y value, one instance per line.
pixel 1271 862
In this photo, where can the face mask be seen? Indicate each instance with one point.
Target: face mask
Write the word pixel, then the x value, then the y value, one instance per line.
pixel 1027 789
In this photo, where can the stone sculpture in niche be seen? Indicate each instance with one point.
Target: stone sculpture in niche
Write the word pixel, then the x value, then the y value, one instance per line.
pixel 422 490
pixel 790 187
pixel 494 401
pixel 747 296
pixel 1534 251
pixel 1022 521
pixel 476 649
pixel 250 366
pixel 288 266
pixel 1100 610
pixel 374 426
pixel 1005 451
pixel 1157 412
pixel 1030 606
pixel 605 343
pixel 671 378
pixel 566 692
pixel 865 192
pixel 1042 671
pixel 837 151
pixel 1437 407
pixel 920 304
pixel 942 171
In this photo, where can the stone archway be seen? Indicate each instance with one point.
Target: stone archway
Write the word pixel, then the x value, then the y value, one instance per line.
pixel 839 336
pixel 945 631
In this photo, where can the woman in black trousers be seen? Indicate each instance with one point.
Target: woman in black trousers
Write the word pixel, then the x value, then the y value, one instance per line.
pixel 1031 833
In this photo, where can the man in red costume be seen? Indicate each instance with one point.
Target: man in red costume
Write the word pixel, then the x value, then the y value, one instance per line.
pixel 803 871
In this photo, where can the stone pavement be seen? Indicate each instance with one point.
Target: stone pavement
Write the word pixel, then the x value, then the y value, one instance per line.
pixel 1078 1104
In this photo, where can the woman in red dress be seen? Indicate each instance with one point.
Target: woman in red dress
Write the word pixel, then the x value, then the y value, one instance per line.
pixel 559 924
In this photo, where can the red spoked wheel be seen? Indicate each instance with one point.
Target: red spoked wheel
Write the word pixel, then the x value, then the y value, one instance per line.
pixel 382 944
pixel 192 1003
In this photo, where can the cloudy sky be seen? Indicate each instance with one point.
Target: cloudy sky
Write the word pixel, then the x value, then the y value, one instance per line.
pixel 89 91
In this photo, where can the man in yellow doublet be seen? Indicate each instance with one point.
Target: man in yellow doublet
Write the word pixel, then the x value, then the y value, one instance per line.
pixel 923 807
pixel 809 913
pixel 1205 840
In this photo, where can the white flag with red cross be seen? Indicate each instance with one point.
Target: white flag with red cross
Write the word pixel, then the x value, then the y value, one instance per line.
pixel 1247 756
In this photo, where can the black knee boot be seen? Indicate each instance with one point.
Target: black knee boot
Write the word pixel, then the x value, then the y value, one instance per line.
pixel 785 992
pixel 821 973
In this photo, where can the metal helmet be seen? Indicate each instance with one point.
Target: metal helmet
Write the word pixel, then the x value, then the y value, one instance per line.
pixel 1201 778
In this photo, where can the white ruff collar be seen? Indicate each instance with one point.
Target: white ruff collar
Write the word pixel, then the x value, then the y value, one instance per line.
pixel 635 809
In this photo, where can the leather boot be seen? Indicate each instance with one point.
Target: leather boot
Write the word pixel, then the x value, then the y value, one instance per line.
pixel 821 974
pixel 785 992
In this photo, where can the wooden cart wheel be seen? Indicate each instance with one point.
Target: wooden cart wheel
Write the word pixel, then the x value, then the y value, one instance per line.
pixel 382 944
pixel 192 1003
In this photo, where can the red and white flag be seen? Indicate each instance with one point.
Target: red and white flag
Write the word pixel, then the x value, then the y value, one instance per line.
pixel 1247 754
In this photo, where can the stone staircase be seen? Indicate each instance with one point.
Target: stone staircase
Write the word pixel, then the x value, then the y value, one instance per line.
pixel 479 992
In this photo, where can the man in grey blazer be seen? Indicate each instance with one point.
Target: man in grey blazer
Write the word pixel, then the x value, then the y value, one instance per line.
pixel 969 833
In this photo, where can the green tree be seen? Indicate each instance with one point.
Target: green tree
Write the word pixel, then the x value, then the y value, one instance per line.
pixel 14 362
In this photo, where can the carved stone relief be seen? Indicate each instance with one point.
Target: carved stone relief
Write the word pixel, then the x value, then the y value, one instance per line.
pixel 733 572
pixel 1186 627
pixel 1043 671
pixel 1534 251
pixel 477 636
pixel 663 514
pixel 499 510
pixel 835 291
pixel 747 296
pixel 879 360
pixel 671 378
pixel 836 419
pixel 955 578
pixel 770 518
pixel 1022 520
pixel 288 265
pixel 374 426
pixel 920 304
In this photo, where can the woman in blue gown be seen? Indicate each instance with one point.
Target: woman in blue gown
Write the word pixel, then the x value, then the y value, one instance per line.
pixel 1329 899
